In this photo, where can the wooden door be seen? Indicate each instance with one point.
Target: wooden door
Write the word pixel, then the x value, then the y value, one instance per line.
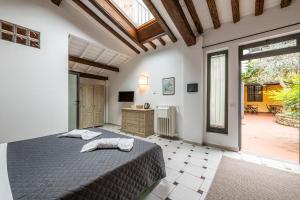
pixel 99 100
pixel 86 106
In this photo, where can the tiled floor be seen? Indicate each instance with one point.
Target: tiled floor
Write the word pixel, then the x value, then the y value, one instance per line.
pixel 190 169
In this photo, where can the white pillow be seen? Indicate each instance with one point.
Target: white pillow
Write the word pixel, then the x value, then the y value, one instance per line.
pixel 84 134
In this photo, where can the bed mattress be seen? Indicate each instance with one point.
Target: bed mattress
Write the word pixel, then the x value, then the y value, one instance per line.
pixel 53 168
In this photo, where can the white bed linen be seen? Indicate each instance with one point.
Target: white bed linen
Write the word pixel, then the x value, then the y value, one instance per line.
pixel 5 191
pixel 123 144
pixel 83 134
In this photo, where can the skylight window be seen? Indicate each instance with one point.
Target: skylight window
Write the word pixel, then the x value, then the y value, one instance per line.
pixel 135 10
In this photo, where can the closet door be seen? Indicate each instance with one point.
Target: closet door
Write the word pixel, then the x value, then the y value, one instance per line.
pixel 86 106
pixel 99 99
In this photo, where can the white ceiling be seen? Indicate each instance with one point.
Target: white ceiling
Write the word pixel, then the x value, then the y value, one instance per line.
pixel 84 49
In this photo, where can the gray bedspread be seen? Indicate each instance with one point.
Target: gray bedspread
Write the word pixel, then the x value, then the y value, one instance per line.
pixel 53 168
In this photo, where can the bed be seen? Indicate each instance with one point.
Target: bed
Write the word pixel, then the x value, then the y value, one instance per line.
pixel 53 168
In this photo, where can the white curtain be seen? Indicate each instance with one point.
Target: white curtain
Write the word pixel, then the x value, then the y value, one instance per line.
pixel 217 91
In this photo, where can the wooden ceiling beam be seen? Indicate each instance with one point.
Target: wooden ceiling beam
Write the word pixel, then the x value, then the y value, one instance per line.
pixel 235 10
pixel 57 2
pixel 160 20
pixel 149 31
pixel 162 41
pixel 191 8
pixel 154 38
pixel 93 63
pixel 104 24
pixel 92 76
pixel 118 19
pixel 177 15
pixel 285 3
pixel 259 7
pixel 152 44
pixel 213 13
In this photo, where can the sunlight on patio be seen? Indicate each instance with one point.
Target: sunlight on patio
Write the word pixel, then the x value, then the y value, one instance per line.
pixel 261 135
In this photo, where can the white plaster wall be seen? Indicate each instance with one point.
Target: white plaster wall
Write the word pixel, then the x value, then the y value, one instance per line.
pixel 272 18
pixel 193 113
pixel 34 82
pixel 158 64
pixel 175 60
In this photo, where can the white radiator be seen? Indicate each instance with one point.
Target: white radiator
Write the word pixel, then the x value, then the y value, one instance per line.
pixel 166 120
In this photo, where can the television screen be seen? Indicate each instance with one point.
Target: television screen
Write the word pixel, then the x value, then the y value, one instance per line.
pixel 126 96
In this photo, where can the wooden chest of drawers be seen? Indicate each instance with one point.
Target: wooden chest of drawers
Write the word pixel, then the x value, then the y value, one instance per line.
pixel 138 121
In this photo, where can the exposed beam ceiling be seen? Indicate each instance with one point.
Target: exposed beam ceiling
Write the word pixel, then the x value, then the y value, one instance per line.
pixel 92 63
pixel 213 13
pixel 160 20
pixel 259 7
pixel 104 24
pixel 149 31
pixel 162 41
pixel 235 6
pixel 177 15
pixel 82 55
pixel 157 28
pixel 57 2
pixel 152 45
pixel 191 8
pixel 118 19
pixel 92 76
pixel 285 3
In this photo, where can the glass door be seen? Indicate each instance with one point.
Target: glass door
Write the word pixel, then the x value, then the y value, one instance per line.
pixel 270 98
pixel 73 101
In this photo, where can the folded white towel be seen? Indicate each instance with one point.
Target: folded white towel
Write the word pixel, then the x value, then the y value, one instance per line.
pixel 91 146
pixel 83 134
pixel 125 144
pixel 108 143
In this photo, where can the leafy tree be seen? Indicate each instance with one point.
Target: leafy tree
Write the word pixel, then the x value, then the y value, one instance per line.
pixel 252 73
pixel 271 69
pixel 284 69
pixel 290 96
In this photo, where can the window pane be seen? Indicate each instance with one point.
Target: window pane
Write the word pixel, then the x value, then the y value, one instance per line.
pixel 217 91
pixel 250 92
pixel 270 47
pixel 7 26
pixel 21 40
pixel 7 36
pixel 135 10
pixel 258 93
pixel 21 31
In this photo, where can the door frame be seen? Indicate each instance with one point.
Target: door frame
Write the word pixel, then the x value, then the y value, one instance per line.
pixel 276 52
pixel 77 97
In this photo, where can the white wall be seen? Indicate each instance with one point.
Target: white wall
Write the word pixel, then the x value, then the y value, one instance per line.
pixel 34 82
pixel 272 18
pixel 193 105
pixel 175 60
pixel 157 65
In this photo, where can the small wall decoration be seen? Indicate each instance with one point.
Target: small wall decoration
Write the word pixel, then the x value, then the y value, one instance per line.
pixel 18 34
pixel 168 86
pixel 192 87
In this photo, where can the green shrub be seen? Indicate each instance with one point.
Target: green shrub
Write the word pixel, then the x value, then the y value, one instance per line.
pixel 289 96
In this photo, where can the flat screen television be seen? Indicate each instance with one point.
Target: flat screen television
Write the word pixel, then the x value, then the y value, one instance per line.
pixel 126 96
